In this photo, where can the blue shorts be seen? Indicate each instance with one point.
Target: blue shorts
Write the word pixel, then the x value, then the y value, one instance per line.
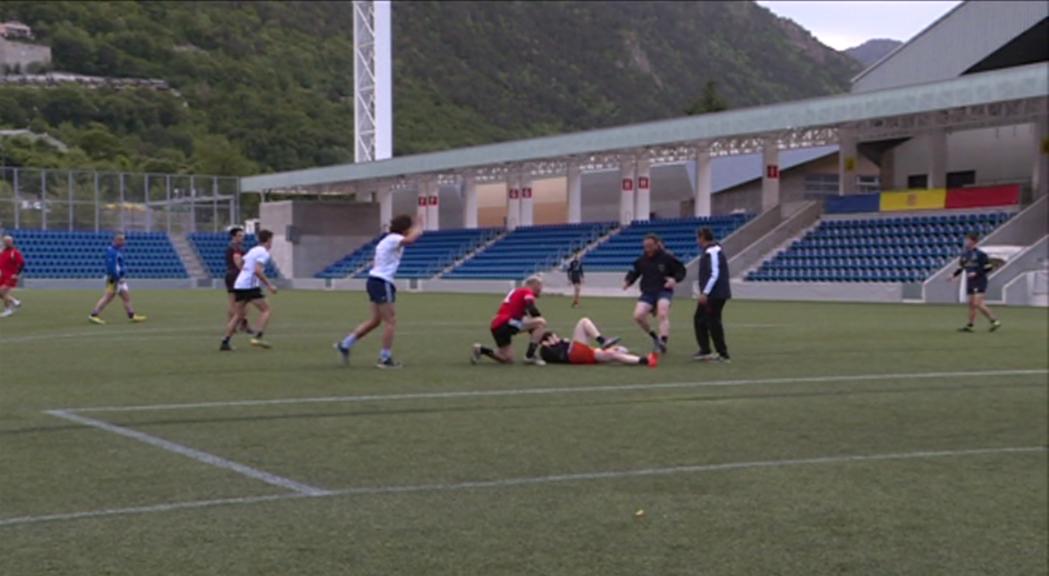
pixel 975 286
pixel 381 291
pixel 653 298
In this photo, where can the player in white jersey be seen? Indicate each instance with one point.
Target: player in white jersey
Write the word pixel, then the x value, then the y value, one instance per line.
pixel 382 292
pixel 247 289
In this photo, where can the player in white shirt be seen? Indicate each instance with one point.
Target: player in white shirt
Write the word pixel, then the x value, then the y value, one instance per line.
pixel 382 292
pixel 247 288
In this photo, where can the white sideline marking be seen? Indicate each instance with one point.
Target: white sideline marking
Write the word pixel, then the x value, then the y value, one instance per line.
pixel 192 453
pixel 556 390
pixel 524 481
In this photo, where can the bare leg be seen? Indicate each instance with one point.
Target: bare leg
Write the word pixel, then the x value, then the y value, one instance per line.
pixel 972 308
pixel 578 289
pixel 980 304
pixel 264 315
pixel 103 302
pixel 126 300
pixel 239 310
pixel 616 355
pixel 585 331
pixel 388 312
pixel 641 314
pixel 663 314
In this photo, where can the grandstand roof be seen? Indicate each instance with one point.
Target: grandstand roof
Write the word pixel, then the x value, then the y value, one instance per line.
pixel 787 122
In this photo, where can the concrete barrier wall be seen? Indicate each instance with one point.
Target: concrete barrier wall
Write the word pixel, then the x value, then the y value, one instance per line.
pixel 1032 258
pixel 760 249
pixel 467 286
pixel 818 291
pixel 100 284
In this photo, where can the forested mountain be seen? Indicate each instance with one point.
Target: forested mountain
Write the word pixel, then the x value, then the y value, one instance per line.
pixel 873 50
pixel 264 86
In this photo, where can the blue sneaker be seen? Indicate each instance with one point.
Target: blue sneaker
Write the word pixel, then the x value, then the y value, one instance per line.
pixel 388 363
pixel 344 353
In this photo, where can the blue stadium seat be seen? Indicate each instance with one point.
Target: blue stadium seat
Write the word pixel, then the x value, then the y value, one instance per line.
pixel 529 249
pixel 211 249
pixel 65 254
pixel 897 249
pixel 678 234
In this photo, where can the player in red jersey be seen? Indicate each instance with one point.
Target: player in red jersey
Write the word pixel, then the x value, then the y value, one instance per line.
pixel 578 351
pixel 11 264
pixel 516 314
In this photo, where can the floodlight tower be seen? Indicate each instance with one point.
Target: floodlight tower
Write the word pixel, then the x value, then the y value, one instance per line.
pixel 372 80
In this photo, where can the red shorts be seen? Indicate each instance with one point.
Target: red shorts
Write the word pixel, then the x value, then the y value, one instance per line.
pixel 9 282
pixel 580 353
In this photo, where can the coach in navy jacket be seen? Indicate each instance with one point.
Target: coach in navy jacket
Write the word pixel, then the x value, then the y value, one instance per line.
pixel 715 291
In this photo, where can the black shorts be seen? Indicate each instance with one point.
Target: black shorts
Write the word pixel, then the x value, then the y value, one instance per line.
pixel 380 291
pixel 230 280
pixel 975 286
pixel 248 295
pixel 504 334
pixel 575 279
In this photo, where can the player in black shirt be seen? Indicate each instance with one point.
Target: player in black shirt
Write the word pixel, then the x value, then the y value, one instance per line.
pixel 659 272
pixel 714 292
pixel 575 276
pixel 555 350
pixel 976 266
pixel 234 262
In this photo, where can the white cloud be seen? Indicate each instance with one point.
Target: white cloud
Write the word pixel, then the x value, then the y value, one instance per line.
pixel 843 25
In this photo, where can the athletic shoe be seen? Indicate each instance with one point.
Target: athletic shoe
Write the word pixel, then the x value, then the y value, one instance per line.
pixel 259 343
pixel 535 361
pixel 7 312
pixel 388 364
pixel 225 347
pixel 610 342
pixel 138 318
pixel 996 325
pixel 703 356
pixel 344 353
pixel 721 359
pixel 18 304
pixel 475 354
pixel 966 328
pixel 96 320
pixel 653 360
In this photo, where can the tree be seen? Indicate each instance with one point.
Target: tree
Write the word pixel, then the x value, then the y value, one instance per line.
pixel 709 101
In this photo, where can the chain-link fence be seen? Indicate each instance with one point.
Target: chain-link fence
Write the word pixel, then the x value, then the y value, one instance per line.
pixel 41 199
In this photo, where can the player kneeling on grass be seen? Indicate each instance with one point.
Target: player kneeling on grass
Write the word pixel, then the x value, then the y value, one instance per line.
pixel 116 285
pixel 516 314
pixel 247 289
pixel 382 292
pixel 11 264
pixel 556 350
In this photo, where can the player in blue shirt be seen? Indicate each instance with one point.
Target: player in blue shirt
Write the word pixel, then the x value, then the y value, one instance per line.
pixel 976 266
pixel 116 285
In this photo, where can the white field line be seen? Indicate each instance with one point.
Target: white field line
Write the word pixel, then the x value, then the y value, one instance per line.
pixel 527 481
pixel 199 456
pixel 427 329
pixel 557 390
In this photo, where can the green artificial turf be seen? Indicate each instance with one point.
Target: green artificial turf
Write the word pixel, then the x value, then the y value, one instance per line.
pixel 417 481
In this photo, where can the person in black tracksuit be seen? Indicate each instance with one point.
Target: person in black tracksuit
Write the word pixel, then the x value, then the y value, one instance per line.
pixel 575 276
pixel 659 272
pixel 715 291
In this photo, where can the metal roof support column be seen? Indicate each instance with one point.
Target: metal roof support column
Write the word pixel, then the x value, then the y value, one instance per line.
pixel 527 207
pixel 848 161
pixel 937 171
pixel 574 183
pixel 469 184
pixel 385 195
pixel 513 201
pixel 627 173
pixel 433 205
pixel 770 176
pixel 643 195
pixel 1040 175
pixel 702 187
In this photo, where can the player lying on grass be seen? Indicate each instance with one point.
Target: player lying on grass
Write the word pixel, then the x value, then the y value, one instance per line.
pixel 247 289
pixel 556 350
pixel 116 284
pixel 11 264
pixel 516 314
pixel 382 292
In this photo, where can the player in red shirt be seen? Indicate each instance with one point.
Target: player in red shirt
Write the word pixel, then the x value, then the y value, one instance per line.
pixel 516 314
pixel 11 264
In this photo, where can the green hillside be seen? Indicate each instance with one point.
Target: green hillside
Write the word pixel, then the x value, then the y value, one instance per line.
pixel 265 86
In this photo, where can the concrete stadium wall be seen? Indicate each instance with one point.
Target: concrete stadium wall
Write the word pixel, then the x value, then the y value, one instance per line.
pixel 1033 258
pixel 747 197
pixel 818 291
pixel 1005 153
pixel 327 231
pixel 100 284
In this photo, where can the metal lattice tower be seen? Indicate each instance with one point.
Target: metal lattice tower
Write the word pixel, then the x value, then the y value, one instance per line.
pixel 372 80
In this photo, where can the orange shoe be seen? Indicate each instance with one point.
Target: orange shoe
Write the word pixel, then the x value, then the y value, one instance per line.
pixel 653 360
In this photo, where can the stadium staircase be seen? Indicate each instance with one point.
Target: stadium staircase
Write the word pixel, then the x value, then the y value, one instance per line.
pixel 434 251
pixel 352 263
pixel 887 249
pixel 188 256
pixel 211 249
pixel 620 250
pixel 527 250
pixel 471 254
pixel 72 255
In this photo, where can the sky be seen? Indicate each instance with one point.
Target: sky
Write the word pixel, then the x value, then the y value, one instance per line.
pixel 842 25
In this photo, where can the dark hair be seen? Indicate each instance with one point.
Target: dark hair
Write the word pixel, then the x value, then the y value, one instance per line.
pixel 974 236
pixel 234 231
pixel 264 236
pixel 546 336
pixel 401 224
pixel 655 238
pixel 705 234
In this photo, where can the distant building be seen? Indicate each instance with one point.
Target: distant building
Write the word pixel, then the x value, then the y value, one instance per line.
pixel 19 57
pixel 15 30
